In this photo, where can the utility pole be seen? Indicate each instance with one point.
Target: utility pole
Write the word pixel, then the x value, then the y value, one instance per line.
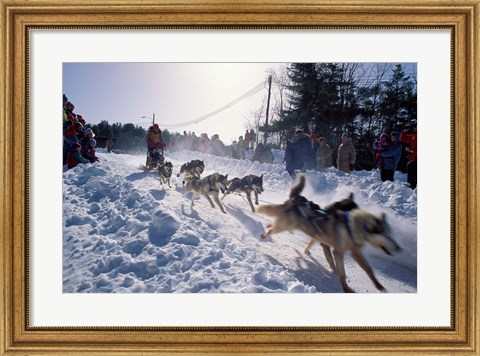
pixel 268 110
pixel 153 119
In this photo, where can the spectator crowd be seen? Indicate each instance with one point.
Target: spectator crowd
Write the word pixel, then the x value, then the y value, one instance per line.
pixel 307 152
pixel 389 150
pixel 303 152
pixel 79 144
pixel 215 146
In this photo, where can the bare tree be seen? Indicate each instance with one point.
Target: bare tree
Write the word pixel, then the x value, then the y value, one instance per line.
pixel 255 118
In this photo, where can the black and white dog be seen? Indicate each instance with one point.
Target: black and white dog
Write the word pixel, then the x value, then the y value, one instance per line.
pixel 247 185
pixel 165 170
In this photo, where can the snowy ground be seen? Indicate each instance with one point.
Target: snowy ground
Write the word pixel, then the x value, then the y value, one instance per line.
pixel 125 233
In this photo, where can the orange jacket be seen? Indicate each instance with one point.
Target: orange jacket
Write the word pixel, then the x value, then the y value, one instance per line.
pixel 411 139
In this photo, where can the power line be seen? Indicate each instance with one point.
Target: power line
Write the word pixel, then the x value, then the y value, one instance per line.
pixel 249 93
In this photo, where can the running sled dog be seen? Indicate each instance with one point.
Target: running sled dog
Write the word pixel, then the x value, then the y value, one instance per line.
pixel 208 186
pixel 336 230
pixel 247 185
pixel 193 168
pixel 165 170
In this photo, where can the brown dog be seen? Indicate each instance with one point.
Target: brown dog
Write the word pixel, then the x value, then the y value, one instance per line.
pixel 335 230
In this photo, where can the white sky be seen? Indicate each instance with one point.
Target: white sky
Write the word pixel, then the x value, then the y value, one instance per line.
pixel 174 92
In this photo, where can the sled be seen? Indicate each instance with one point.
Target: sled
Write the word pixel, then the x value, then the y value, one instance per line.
pixel 155 158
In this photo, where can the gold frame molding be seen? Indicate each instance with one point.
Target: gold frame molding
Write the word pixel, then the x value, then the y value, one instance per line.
pixel 18 17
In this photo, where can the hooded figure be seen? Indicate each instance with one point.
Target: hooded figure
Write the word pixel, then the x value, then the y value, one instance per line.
pixel 262 154
pixel 75 157
pixel 154 137
pixel 299 153
pixel 346 154
pixel 323 155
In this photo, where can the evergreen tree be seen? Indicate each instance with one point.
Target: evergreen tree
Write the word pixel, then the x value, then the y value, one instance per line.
pixel 399 103
pixel 303 93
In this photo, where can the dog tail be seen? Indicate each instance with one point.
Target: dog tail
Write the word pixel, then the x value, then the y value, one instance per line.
pixel 296 190
pixel 270 210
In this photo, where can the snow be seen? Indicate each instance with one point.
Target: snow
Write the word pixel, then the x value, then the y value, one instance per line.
pixel 125 233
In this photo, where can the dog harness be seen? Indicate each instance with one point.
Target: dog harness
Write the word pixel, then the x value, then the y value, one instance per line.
pixel 346 216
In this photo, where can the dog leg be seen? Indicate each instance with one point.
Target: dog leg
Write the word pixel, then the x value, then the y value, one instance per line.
pixel 256 198
pixel 219 203
pixel 209 200
pixel 224 195
pixel 249 198
pixel 342 278
pixel 192 203
pixel 357 256
pixel 266 234
pixel 328 255
pixel 273 229
pixel 311 242
pixel 168 181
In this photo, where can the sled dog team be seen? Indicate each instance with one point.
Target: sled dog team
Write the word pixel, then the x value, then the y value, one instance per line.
pixel 216 183
pixel 339 227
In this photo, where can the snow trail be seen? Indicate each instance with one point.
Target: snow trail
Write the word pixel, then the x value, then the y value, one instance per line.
pixel 125 233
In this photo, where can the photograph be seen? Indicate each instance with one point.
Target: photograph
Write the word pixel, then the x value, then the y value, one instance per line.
pixel 239 177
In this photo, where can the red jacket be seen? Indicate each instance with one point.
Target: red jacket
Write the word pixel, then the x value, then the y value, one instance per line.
pixel 411 139
pixel 74 158
pixel 69 129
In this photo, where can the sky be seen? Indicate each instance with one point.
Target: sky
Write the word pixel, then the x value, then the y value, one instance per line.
pixel 175 92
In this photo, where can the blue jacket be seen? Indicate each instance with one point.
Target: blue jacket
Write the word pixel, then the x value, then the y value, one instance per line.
pixel 299 153
pixel 288 158
pixel 391 156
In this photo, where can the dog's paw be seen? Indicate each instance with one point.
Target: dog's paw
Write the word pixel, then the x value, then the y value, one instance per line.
pixel 347 289
pixel 380 288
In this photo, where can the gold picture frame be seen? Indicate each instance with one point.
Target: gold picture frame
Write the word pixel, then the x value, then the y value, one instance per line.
pixel 18 17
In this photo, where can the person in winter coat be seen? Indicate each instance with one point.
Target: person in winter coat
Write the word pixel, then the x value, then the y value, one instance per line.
pixel 87 136
pixel 89 152
pixel 109 144
pixel 253 138
pixel 299 154
pixel 154 140
pixel 218 147
pixel 409 136
pixel 75 157
pixel 203 144
pixel 262 154
pixel 323 155
pixel 241 148
pixel 346 154
pixel 379 147
pixel 288 159
pixel 390 158
pixel 246 140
